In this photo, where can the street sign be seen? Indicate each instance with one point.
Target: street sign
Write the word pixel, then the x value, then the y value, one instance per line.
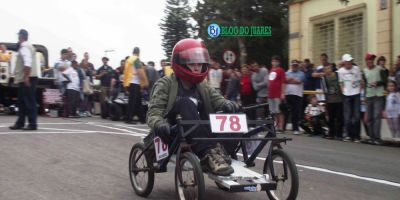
pixel 229 56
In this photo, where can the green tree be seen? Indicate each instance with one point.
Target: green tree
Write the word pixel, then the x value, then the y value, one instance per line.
pixel 175 25
pixel 247 13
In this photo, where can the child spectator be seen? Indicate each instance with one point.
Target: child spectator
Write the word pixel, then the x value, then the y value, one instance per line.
pixel 314 115
pixel 392 109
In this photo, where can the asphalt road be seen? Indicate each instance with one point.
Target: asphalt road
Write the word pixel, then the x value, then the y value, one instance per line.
pixel 88 159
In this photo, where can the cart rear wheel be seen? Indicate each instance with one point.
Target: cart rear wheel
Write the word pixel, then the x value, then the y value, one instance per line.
pixel 140 171
pixel 286 176
pixel 191 183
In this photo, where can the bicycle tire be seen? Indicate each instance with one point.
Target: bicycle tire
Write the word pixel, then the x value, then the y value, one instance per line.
pixel 145 191
pixel 198 176
pixel 291 166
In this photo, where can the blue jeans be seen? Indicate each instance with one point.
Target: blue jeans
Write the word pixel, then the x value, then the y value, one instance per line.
pixel 27 104
pixel 351 108
pixel 375 106
pixel 189 111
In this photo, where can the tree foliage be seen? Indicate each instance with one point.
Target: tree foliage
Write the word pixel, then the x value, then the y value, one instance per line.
pixel 175 25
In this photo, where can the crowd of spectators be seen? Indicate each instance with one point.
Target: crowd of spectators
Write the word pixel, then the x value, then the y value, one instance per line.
pixel 331 100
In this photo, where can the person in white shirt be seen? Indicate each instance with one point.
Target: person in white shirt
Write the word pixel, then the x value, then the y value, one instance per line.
pixel 350 84
pixel 26 78
pixel 62 62
pixel 215 75
pixel 72 89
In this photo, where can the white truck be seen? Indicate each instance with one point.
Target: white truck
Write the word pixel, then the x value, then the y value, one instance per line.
pixel 9 90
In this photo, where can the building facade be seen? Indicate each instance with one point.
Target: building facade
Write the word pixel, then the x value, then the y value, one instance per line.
pixel 336 27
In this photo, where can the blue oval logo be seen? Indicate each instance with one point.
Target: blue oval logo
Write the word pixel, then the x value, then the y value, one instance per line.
pixel 213 30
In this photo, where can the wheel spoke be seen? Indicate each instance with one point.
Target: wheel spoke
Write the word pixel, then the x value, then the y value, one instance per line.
pixel 140 170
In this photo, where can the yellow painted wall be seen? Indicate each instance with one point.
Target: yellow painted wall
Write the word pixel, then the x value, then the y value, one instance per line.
pixel 318 7
pixel 396 29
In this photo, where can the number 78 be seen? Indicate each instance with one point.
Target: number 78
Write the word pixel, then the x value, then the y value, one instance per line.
pixel 234 124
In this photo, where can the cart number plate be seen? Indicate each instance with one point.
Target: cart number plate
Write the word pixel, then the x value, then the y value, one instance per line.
pixel 161 149
pixel 228 123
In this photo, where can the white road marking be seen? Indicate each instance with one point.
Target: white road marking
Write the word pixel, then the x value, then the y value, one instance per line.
pixel 109 127
pixel 68 132
pixel 391 183
pixel 130 127
pixel 62 123
pixel 120 129
pixel 61 129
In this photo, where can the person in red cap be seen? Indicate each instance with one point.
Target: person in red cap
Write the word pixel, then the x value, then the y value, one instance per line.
pixel 374 79
pixel 185 92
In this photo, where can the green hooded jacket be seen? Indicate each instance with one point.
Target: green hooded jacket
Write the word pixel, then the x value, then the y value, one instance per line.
pixel 163 96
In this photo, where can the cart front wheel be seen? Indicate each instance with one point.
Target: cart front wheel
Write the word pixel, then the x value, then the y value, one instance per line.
pixel 140 171
pixel 285 175
pixel 189 180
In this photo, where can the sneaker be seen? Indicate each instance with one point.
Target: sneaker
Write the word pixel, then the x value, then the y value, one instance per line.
pixel 30 128
pixel 279 131
pixel 221 151
pixel 376 142
pixel 88 114
pixel 347 139
pixel 16 127
pixel 296 132
pixel 356 141
pixel 216 164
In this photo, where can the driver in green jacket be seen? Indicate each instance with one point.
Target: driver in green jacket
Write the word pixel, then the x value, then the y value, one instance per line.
pixel 187 93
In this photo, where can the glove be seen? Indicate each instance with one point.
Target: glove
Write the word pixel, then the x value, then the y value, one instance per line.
pixel 230 107
pixel 162 130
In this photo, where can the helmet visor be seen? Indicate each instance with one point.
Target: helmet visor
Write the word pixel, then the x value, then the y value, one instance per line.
pixel 193 56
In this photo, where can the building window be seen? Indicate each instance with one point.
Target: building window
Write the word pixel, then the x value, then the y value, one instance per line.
pixel 351 36
pixel 324 39
pixel 338 35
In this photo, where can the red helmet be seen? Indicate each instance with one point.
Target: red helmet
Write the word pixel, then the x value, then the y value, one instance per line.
pixel 190 51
